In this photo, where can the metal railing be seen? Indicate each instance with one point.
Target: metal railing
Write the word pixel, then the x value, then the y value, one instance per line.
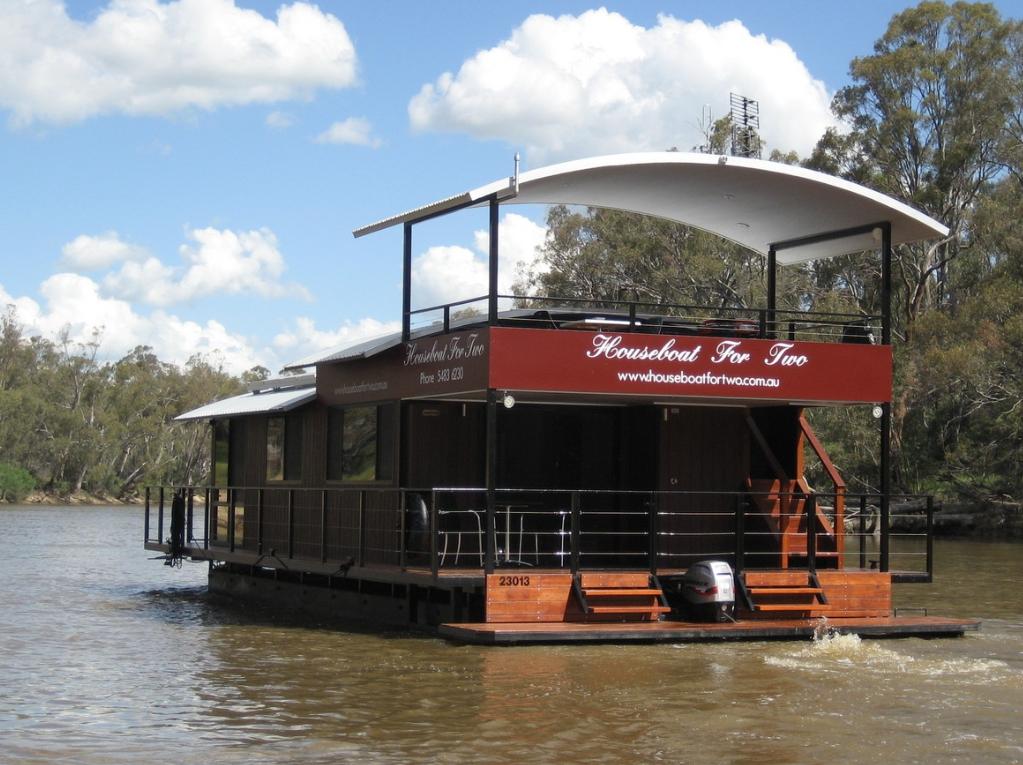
pixel 655 318
pixel 445 529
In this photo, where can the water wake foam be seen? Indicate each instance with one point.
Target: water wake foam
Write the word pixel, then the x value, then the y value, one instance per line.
pixel 833 651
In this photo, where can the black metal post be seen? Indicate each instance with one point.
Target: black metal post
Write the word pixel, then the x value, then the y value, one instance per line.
pixel 811 533
pixel 259 521
pixel 886 408
pixel 740 533
pixel 231 493
pixel 189 512
pixel 159 519
pixel 206 515
pixel 886 283
pixel 361 541
pixel 402 558
pixel 406 285
pixel 493 290
pixel 863 531
pixel 930 539
pixel 772 289
pixel 291 524
pixel 574 553
pixel 632 314
pixel 434 560
pixel 145 533
pixel 885 499
pixel 491 557
pixel 653 533
pixel 323 525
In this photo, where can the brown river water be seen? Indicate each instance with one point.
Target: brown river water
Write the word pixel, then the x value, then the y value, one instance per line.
pixel 109 657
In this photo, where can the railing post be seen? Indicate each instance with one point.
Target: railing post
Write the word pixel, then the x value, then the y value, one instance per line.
pixel 361 549
pixel 159 519
pixel 190 515
pixel 291 524
pixel 145 537
pixel 653 534
pixel 402 560
pixel 811 533
pixel 762 321
pixel 206 515
pixel 863 531
pixel 231 497
pixel 259 520
pixel 323 525
pixel 930 538
pixel 632 315
pixel 574 537
pixel 447 319
pixel 886 524
pixel 740 533
pixel 434 561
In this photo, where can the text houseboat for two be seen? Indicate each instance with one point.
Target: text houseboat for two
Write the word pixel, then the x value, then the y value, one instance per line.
pixel 543 470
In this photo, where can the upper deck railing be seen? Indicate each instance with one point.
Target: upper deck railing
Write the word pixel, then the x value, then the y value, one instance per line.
pixel 652 318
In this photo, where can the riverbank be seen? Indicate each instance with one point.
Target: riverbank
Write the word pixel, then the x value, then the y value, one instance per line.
pixel 990 520
pixel 83 499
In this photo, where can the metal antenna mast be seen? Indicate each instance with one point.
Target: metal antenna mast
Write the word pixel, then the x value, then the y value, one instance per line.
pixel 745 118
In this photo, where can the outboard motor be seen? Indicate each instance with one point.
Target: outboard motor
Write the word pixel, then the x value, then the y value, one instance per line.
pixel 709 591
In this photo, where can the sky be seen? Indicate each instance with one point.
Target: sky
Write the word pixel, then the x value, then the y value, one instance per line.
pixel 186 175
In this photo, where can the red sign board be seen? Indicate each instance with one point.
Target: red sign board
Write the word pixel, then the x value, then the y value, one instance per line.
pixel 690 366
pixel 436 365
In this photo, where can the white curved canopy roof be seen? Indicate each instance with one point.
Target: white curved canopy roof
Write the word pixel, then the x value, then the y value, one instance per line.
pixel 750 201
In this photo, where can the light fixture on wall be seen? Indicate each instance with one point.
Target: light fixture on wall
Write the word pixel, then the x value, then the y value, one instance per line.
pixel 509 400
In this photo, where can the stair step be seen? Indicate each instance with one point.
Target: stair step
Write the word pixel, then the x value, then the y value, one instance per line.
pixel 629 609
pixel 790 607
pixel 618 591
pixel 784 590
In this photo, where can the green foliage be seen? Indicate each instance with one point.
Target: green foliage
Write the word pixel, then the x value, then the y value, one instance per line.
pixel 15 483
pixel 80 425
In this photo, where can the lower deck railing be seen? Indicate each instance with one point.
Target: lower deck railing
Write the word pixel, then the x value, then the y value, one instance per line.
pixel 447 529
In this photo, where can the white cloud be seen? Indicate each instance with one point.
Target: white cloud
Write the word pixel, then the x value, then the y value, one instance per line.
pixel 218 262
pixel 279 120
pixel 354 130
pixel 596 83
pixel 89 253
pixel 73 303
pixel 150 57
pixel 446 274
pixel 306 340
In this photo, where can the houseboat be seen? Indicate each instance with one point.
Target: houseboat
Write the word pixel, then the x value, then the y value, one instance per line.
pixel 514 468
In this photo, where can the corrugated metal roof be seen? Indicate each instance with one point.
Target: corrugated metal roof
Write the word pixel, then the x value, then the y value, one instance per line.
pixel 362 350
pixel 252 403
pixel 753 202
pixel 369 348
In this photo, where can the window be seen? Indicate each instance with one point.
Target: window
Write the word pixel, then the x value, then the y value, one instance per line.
pixel 221 453
pixel 360 443
pixel 284 448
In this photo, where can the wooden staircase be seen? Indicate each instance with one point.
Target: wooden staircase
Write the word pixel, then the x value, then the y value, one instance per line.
pixel 773 594
pixel 794 594
pixel 618 596
pixel 782 506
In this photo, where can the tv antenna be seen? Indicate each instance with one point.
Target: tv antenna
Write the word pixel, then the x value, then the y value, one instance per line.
pixel 745 118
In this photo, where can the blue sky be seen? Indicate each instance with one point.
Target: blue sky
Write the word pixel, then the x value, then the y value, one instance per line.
pixel 187 175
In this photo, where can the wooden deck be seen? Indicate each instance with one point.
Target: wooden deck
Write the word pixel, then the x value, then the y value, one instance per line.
pixel 674 631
